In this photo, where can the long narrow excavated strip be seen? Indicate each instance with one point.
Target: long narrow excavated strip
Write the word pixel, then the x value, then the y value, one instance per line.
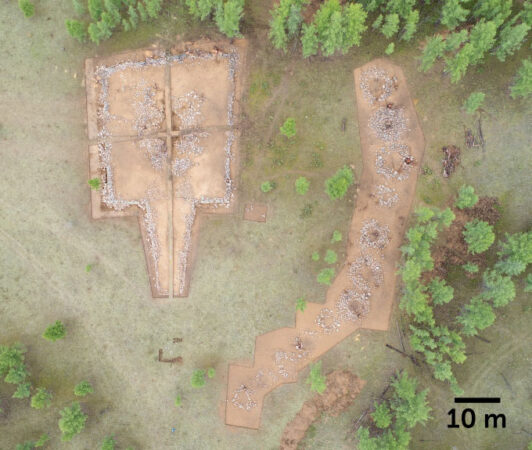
pixel 362 294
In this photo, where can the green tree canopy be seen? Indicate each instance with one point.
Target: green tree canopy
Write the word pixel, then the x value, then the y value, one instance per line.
pixel 522 86
pixel 476 316
pixel 337 185
pixel 72 421
pixel 479 236
pixel 473 102
pixel 466 197
pixel 382 416
pixel 41 399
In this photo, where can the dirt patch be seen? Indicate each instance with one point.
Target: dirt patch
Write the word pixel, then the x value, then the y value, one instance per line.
pixel 164 144
pixel 454 251
pixel 342 389
pixel 255 212
pixel 362 294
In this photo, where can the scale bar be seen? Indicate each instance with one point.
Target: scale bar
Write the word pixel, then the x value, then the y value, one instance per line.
pixel 477 399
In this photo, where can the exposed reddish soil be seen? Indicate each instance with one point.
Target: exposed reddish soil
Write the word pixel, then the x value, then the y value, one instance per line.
pixel 454 251
pixel 342 389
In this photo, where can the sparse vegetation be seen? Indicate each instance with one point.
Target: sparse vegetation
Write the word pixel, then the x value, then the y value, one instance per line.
pixel 474 102
pixel 317 381
pixel 55 332
pixel 301 304
pixel 326 276
pixel 83 389
pixel 288 128
pixel 330 257
pixel 267 186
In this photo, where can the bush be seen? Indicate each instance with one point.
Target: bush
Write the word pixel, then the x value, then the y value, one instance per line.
pixel 470 268
pixel 381 416
pixel 83 388
pixel 41 399
pixel 337 185
pixel 317 381
pixel 330 257
pixel 336 236
pixel 42 440
pixel 306 211
pixel 72 421
pixel 267 186
pixel 211 372
pixel 315 256
pixel 478 235
pixel 27 7
pixel 390 48
pixel 288 128
pixel 23 390
pixel 301 304
pixel 473 102
pixel 108 443
pixel 325 276
pixel 522 86
pixel 178 401
pixel 466 197
pixel 302 185
pixel 78 30
pixel 55 331
pixel 198 378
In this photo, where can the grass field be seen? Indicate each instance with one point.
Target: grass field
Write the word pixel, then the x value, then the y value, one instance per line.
pixel 247 275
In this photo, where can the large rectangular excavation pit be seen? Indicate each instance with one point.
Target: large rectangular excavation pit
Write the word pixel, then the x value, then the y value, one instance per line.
pixel 163 144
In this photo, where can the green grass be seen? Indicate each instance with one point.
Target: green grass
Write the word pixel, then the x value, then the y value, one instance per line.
pixel 114 329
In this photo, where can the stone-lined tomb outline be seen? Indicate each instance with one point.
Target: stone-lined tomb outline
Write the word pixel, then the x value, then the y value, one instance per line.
pixel 163 141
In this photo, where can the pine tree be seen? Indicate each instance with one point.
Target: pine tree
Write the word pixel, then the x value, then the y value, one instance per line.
pixel 515 254
pixel 522 86
pixel 510 40
pixel 500 289
pixel 41 399
pixel 78 30
pixel 79 7
pixel 433 50
pixel 354 18
pixel 309 40
pixel 133 17
pixel 410 25
pixel 453 14
pixel 72 421
pixel 476 316
pixel 455 40
pixel 466 197
pixel 391 25
pixel 382 416
pixel 228 15
pixel 473 102
pixel 441 293
pixel 27 8
pixel 479 236
pixel 95 9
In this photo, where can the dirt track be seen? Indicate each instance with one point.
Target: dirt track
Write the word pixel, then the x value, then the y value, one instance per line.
pixel 362 294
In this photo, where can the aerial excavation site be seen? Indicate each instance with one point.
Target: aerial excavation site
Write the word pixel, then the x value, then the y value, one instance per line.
pixel 257 225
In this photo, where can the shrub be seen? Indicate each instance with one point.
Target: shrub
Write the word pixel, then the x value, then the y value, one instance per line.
pixel 330 257
pixel 28 445
pixel 178 401
pixel 498 288
pixel 198 378
pixel 478 235
pixel 83 388
pixel 466 197
pixel 302 185
pixel 23 390
pixel 522 86
pixel 41 399
pixel 27 7
pixel 470 267
pixel 337 185
pixel 336 236
pixel 267 186
pixel 306 211
pixel 515 254
pixel 473 102
pixel 317 381
pixel 315 256
pixel 211 372
pixel 301 304
pixel 381 416
pixel 42 440
pixel 72 421
pixel 390 48
pixel 288 128
pixel 325 276
pixel 55 331
pixel 78 30
pixel 108 443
